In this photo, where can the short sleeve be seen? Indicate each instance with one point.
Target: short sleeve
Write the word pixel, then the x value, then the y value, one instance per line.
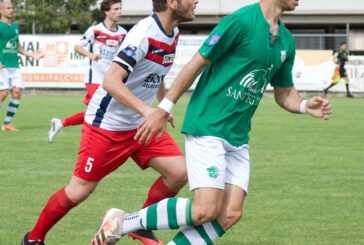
pixel 87 38
pixel 226 35
pixel 284 78
pixel 133 49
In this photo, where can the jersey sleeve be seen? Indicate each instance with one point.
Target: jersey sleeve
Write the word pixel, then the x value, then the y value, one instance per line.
pixel 225 36
pixel 133 49
pixel 87 38
pixel 283 77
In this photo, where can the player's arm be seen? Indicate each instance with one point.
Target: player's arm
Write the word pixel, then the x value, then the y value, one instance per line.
pixel 35 55
pixel 114 84
pixel 82 51
pixel 87 39
pixel 160 96
pixel 289 99
pixel 156 122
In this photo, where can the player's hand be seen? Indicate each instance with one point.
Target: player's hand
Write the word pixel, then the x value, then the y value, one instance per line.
pixel 95 57
pixel 319 107
pixel 39 54
pixel 154 123
pixel 1 66
pixel 171 120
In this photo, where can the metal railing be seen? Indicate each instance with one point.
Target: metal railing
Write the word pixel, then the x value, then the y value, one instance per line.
pixel 320 41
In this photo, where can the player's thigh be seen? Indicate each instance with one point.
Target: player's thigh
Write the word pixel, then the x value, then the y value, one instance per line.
pixel 169 166
pixel 160 154
pixel 102 151
pixel 238 166
pixel 206 162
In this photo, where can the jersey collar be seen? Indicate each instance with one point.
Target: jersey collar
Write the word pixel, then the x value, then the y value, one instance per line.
pixel 155 17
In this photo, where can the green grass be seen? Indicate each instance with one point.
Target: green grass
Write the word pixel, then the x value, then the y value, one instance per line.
pixel 307 179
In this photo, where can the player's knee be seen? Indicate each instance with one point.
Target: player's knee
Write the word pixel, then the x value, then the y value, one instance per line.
pixel 181 176
pixel 16 93
pixel 204 213
pixel 79 191
pixel 231 218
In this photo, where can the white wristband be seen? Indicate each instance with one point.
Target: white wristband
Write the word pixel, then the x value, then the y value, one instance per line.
pixel 303 106
pixel 166 105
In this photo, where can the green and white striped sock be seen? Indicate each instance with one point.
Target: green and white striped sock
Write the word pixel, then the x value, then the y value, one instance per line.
pixel 204 234
pixel 170 213
pixel 12 108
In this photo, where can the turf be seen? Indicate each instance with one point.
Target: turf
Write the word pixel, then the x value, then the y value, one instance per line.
pixel 307 176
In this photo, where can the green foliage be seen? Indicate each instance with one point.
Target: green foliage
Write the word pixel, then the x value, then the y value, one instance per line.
pixel 54 16
pixel 306 186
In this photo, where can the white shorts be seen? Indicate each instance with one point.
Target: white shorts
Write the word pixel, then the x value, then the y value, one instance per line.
pixel 212 162
pixel 10 78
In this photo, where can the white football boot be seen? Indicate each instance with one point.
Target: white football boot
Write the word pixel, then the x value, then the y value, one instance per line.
pixel 111 228
pixel 56 127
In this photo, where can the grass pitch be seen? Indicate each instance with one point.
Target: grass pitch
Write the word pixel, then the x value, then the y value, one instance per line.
pixel 307 179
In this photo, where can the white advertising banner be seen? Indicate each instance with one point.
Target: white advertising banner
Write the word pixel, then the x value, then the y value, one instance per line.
pixel 63 68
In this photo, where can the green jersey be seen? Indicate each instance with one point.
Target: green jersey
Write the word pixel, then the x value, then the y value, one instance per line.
pixel 244 57
pixel 9 39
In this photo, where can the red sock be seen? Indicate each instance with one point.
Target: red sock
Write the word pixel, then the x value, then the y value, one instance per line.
pixel 75 119
pixel 57 207
pixel 157 192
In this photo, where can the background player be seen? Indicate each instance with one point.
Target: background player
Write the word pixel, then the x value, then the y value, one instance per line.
pixel 247 50
pixel 10 77
pixel 100 44
pixel 131 84
pixel 340 58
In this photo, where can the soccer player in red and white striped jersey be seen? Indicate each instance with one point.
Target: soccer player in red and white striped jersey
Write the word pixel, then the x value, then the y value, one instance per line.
pixel 100 44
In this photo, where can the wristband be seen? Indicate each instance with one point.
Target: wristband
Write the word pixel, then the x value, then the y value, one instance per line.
pixel 166 105
pixel 303 106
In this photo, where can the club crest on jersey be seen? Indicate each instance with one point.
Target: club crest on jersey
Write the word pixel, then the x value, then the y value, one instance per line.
pixel 214 39
pixel 283 55
pixel 130 51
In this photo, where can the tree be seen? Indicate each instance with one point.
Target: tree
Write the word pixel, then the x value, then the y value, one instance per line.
pixel 54 16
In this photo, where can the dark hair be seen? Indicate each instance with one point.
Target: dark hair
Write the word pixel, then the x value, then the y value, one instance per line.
pixel 159 5
pixel 106 5
pixel 342 43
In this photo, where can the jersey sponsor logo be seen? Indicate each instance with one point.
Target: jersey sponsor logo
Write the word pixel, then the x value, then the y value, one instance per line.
pixel 251 88
pixel 214 39
pixel 153 81
pixel 283 55
pixel 130 51
pixel 11 44
pixel 168 59
pixel 161 52
pixel 113 43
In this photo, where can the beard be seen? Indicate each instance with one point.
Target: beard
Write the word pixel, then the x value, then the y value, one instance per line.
pixel 183 14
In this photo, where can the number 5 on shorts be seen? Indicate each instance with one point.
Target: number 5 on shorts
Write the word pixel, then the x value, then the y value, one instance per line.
pixel 89 164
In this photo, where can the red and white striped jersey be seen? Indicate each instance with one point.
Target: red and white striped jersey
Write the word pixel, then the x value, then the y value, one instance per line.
pixel 147 53
pixel 100 40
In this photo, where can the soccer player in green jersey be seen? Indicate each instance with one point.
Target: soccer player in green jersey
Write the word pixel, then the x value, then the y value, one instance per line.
pixel 247 50
pixel 10 77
